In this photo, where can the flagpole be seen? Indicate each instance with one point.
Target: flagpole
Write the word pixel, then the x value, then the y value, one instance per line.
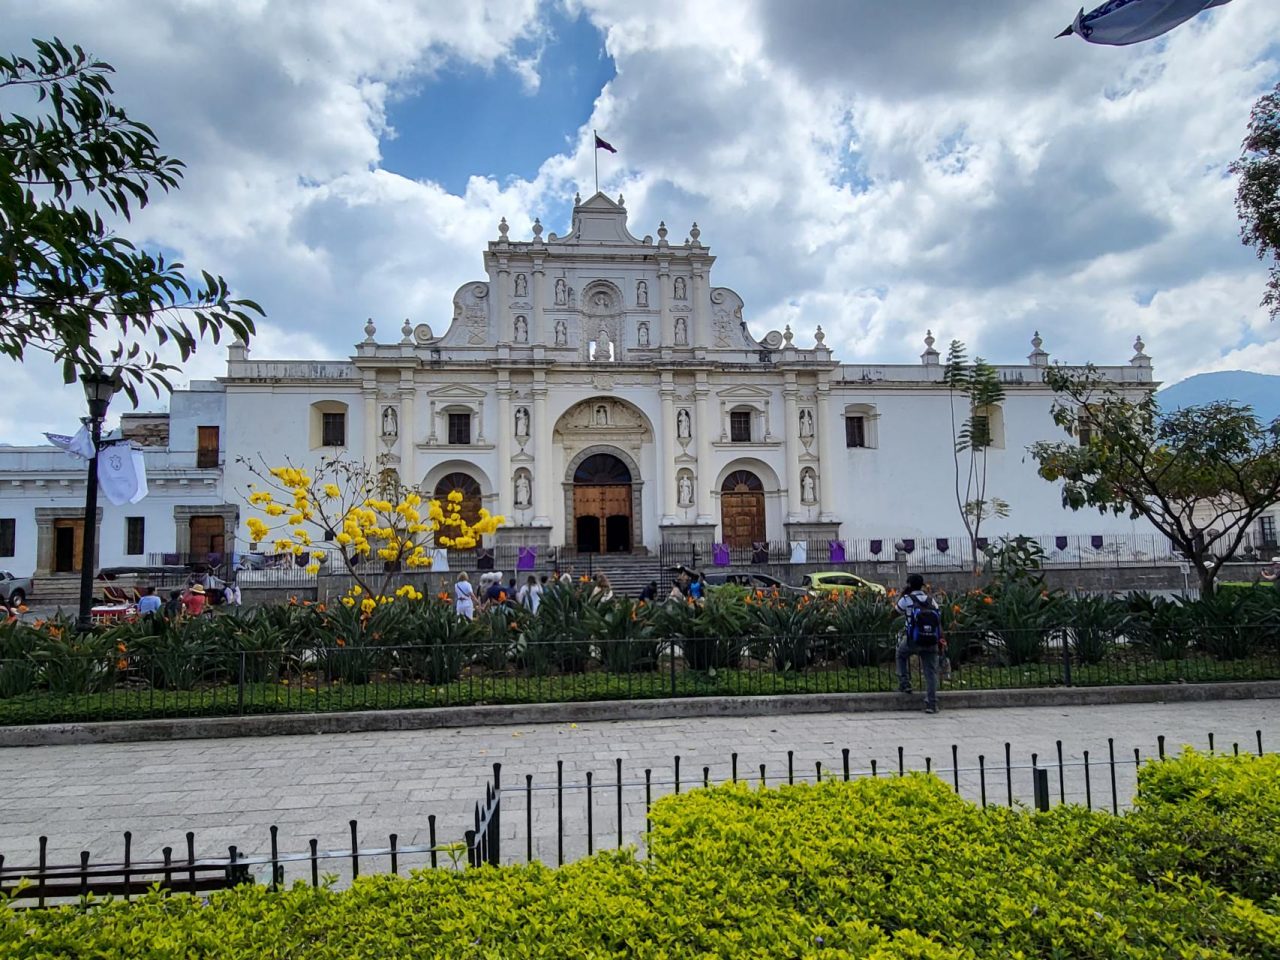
pixel 595 156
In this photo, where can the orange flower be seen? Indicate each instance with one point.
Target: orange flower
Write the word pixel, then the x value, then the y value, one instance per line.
pixel 514 625
pixel 955 608
pixel 293 601
pixel 121 647
pixel 988 601
pixel 442 596
pixel 122 664
pixel 341 642
pixel 320 607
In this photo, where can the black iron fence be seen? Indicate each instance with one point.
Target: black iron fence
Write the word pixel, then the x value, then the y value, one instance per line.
pixel 188 674
pixel 590 814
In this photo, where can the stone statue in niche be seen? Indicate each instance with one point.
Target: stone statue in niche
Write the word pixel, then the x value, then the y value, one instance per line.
pixel 684 424
pixel 602 301
pixel 685 486
pixel 524 491
pixel 681 293
pixel 390 422
pixel 562 333
pixel 604 350
pixel 522 329
pixel 522 421
pixel 682 332
pixel 642 334
pixel 561 288
pixel 573 297
pixel 602 415
pixel 642 294
pixel 806 423
pixel 522 285
pixel 808 487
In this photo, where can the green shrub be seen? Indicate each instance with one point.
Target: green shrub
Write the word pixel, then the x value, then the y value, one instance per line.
pixel 878 868
pixel 623 632
pixel 1158 625
pixel 1093 624
pixel 864 628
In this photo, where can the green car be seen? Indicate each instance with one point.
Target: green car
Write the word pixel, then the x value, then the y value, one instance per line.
pixel 837 581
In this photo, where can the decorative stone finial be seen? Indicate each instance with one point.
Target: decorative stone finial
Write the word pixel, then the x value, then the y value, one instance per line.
pixel 369 330
pixel 620 201
pixel 694 232
pixel 819 336
pixel 1037 357
pixel 503 228
pixel 787 335
pixel 537 228
pixel 1139 358
pixel 662 230
pixel 406 331
pixel 577 199
pixel 930 356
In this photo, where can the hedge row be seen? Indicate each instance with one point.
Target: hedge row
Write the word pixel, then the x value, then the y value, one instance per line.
pixel 889 868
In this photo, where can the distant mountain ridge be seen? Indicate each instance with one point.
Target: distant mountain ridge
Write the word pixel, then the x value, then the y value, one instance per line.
pixel 1260 390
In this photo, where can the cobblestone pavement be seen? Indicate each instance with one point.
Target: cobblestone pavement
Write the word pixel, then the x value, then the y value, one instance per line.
pixel 231 791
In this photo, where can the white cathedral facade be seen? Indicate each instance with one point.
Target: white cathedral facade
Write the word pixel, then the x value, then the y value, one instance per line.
pixel 601 392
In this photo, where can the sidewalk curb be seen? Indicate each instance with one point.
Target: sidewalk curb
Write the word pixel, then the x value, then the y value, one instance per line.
pixel 431 718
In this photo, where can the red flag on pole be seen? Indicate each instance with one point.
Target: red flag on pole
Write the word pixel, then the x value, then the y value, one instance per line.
pixel 602 144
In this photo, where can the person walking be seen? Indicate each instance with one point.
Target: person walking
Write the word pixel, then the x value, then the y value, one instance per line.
pixel 530 595
pixel 464 597
pixel 921 637
pixel 603 590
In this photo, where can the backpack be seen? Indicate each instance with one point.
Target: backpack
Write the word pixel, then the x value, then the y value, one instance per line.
pixel 924 623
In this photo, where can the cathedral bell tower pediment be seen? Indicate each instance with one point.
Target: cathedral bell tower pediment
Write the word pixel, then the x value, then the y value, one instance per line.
pixel 600 220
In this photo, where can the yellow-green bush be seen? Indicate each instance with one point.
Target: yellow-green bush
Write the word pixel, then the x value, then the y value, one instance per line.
pixel 888 868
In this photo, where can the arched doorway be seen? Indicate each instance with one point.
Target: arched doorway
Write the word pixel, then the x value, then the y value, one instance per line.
pixel 602 505
pixel 469 487
pixel 742 509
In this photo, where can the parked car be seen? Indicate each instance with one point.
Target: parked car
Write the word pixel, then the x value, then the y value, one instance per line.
pixel 837 581
pixel 14 590
pixel 756 581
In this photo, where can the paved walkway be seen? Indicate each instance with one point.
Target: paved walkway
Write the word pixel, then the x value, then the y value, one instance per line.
pixel 231 791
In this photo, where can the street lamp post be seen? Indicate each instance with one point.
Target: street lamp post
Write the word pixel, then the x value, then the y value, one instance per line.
pixel 98 390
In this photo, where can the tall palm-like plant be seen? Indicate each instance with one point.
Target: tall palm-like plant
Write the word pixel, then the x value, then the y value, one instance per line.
pixel 975 389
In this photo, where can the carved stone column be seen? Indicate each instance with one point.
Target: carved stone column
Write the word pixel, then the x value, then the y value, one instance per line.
pixel 538 325
pixel 793 447
pixel 666 322
pixel 824 428
pixel 543 481
pixel 702 394
pixel 700 321
pixel 371 426
pixel 667 465
pixel 506 503
pixel 408 436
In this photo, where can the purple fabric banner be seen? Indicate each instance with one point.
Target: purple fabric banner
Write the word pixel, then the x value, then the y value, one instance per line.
pixel 836 554
pixel 876 547
pixel 1060 542
pixel 720 554
pixel 527 559
pixel 943 544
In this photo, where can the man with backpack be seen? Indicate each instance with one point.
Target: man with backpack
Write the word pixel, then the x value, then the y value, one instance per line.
pixel 922 637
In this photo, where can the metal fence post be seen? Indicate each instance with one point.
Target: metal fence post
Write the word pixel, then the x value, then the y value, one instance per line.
pixel 495 820
pixel 240 686
pixel 1040 782
pixel 1066 660
pixel 671 654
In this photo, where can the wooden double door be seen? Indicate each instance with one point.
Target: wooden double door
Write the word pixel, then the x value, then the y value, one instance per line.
pixel 68 545
pixel 742 509
pixel 602 518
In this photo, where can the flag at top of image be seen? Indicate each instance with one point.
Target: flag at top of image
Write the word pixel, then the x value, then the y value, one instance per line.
pixel 602 144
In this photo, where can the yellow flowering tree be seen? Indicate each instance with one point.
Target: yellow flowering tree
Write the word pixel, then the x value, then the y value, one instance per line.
pixel 372 517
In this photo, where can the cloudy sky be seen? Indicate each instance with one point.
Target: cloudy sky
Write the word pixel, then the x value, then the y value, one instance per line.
pixel 876 168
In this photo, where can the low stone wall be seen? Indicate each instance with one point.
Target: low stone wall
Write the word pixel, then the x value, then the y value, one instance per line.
pixel 272 596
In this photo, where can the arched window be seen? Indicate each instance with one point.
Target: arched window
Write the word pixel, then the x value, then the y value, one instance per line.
pixel 988 427
pixel 861 426
pixel 742 481
pixel 468 486
pixel 328 424
pixel 601 469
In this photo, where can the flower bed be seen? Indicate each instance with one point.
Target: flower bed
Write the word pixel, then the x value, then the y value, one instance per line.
pixel 874 868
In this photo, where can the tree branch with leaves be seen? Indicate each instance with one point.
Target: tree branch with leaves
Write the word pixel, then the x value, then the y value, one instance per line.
pixel 70 286
pixel 979 391
pixel 1258 192
pixel 1200 475
pixel 365 515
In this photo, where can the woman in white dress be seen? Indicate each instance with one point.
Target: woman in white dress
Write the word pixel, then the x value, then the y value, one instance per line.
pixel 464 597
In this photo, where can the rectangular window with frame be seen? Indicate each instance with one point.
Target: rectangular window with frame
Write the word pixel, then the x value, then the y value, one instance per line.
pixel 855 431
pixel 1266 530
pixel 1084 433
pixel 135 536
pixel 740 426
pixel 207 447
pixel 460 429
pixel 333 429
pixel 8 536
pixel 980 430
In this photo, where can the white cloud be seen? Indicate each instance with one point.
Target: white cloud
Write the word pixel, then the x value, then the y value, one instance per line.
pixel 874 168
